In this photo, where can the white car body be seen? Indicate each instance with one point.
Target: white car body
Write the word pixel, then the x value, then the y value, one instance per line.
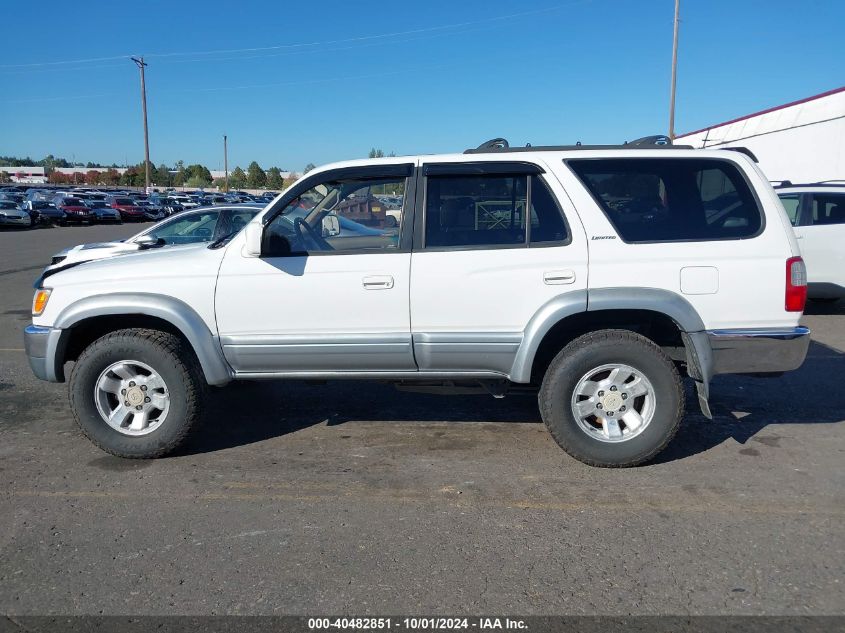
pixel 817 212
pixel 187 202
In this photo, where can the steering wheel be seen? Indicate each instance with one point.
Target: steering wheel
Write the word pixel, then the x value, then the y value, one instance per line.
pixel 312 235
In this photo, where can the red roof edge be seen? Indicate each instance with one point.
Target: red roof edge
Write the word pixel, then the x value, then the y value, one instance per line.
pixel 774 109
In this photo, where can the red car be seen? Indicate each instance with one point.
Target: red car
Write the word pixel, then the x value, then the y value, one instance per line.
pixel 75 211
pixel 127 207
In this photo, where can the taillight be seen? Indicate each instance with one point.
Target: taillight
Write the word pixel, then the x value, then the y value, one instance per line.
pixel 796 284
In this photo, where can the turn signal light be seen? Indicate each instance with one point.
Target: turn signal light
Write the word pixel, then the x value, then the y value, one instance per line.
pixel 796 284
pixel 39 301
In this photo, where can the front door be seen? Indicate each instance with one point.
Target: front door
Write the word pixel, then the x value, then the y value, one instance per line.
pixel 338 300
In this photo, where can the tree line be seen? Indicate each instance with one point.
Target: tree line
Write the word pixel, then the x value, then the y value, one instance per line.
pixel 180 175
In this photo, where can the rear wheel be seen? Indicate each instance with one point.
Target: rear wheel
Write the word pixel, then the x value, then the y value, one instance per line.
pixel 612 398
pixel 137 393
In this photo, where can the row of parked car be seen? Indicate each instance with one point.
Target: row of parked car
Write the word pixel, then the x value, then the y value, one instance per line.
pixel 29 206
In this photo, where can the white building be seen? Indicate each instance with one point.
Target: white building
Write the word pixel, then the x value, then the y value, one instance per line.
pixel 26 175
pixel 802 141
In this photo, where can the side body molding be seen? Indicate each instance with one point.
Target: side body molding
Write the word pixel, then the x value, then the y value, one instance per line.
pixel 176 312
pixel 669 303
pixel 544 320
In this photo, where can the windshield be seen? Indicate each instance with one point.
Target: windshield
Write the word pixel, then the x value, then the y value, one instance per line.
pixel 73 202
pixel 124 201
pixel 187 229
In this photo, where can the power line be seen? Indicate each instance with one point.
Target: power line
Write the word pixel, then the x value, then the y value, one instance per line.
pixel 311 44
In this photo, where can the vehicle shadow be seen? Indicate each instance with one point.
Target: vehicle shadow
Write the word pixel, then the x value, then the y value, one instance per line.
pixel 249 412
pixel 743 406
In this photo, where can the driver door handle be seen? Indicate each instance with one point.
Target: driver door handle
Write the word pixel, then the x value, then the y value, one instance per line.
pixel 378 282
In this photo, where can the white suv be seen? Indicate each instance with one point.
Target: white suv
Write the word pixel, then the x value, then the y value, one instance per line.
pixel 601 276
pixel 817 212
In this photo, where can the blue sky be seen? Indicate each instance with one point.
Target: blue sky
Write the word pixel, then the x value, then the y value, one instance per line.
pixel 329 80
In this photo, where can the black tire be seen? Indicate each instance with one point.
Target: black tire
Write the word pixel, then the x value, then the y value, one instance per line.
pixel 172 359
pixel 594 350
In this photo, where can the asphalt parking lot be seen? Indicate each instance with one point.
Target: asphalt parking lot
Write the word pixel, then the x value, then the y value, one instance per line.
pixel 355 498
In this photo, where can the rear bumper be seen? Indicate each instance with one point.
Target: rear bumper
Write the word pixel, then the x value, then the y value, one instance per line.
pixel 758 350
pixel 41 345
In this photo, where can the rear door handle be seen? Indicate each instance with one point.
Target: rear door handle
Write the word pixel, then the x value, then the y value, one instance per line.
pixel 378 282
pixel 558 277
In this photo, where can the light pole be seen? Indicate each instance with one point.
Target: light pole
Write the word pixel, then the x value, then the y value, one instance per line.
pixel 141 65
pixel 226 162
pixel 674 71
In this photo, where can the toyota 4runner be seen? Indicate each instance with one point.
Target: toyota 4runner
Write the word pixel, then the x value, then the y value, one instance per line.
pixel 600 276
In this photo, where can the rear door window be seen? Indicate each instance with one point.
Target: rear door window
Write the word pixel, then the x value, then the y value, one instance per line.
pixel 828 208
pixel 489 210
pixel 672 200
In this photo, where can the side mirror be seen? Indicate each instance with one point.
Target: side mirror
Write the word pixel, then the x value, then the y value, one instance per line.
pixel 253 233
pixel 331 225
pixel 148 241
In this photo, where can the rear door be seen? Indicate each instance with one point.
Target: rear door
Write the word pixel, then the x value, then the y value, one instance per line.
pixel 491 247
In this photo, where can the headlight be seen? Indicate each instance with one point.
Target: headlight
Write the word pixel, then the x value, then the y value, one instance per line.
pixel 39 301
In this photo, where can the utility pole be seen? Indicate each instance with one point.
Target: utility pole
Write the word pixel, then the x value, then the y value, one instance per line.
pixel 141 65
pixel 674 71
pixel 226 162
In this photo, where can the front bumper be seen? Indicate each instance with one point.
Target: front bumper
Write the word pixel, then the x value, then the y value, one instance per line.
pixel 42 345
pixel 15 221
pixel 752 351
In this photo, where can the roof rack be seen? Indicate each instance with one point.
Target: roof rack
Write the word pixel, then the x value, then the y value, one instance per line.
pixel 822 183
pixel 742 150
pixel 495 145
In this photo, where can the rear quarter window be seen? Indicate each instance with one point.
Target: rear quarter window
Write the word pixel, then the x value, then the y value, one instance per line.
pixel 671 199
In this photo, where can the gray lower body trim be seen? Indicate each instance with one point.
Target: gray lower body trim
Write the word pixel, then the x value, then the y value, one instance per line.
pixel 370 375
pixel 174 311
pixel 321 353
pixel 467 352
pixel 549 315
pixel 41 344
pixel 750 351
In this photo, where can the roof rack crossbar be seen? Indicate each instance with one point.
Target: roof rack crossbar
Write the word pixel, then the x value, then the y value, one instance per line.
pixel 497 145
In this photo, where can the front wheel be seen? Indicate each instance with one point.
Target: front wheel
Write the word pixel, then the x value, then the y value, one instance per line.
pixel 612 398
pixel 137 393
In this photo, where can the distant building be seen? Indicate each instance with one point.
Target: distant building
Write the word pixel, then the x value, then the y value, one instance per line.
pixel 802 141
pixel 38 175
pixel 26 175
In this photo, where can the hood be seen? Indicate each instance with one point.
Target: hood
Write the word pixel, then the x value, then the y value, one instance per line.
pixel 134 268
